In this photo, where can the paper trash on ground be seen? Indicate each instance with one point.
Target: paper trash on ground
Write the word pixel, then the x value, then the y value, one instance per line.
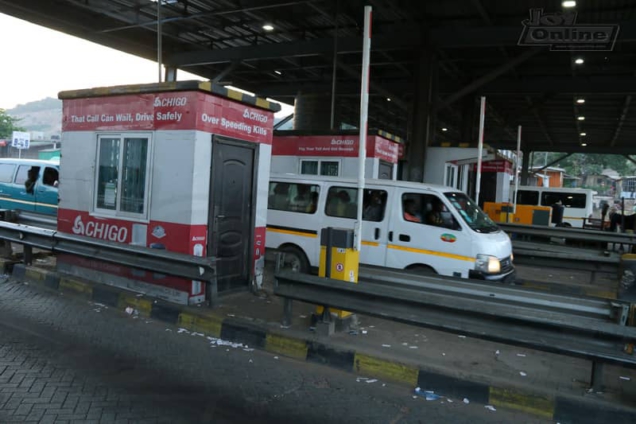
pixel 523 374
pixel 466 401
pixel 625 378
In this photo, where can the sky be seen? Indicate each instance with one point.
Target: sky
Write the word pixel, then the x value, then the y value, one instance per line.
pixel 39 63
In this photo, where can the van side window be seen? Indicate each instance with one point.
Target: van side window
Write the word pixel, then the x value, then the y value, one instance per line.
pixel 27 175
pixel 525 197
pixel 427 209
pixel 6 172
pixel 291 197
pixel 50 177
pixel 342 202
pixel 374 204
pixel 569 200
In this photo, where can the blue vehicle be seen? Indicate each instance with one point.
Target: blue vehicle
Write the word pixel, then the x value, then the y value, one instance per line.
pixel 29 185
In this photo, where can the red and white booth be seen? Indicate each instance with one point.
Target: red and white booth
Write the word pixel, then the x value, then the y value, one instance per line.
pixel 335 153
pixel 181 166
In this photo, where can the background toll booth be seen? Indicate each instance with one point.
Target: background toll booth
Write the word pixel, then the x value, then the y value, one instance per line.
pixel 456 167
pixel 335 153
pixel 180 166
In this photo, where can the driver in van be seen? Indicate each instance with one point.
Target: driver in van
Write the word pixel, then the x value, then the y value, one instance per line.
pixel 410 211
pixel 434 217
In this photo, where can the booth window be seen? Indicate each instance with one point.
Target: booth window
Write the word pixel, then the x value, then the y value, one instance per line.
pixel 330 168
pixel 122 175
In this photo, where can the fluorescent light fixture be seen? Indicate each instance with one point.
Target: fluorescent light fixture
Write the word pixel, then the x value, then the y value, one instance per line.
pixel 583 144
pixel 579 61
pixel 278 72
pixel 388 99
pixel 580 101
pixel 581 118
pixel 569 3
pixel 444 129
pixel 268 27
pixel 583 134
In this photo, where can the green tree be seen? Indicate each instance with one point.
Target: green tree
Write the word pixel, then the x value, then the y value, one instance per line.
pixel 8 124
pixel 580 164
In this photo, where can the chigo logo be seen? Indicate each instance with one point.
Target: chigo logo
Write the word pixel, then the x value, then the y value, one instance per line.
pixel 171 101
pixel 254 116
pixel 101 230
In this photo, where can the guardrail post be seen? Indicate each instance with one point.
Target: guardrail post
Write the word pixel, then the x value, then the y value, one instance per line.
pixel 212 292
pixel 597 376
pixel 287 312
pixel 28 255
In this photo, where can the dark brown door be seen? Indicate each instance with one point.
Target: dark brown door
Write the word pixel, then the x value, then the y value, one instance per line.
pixel 231 218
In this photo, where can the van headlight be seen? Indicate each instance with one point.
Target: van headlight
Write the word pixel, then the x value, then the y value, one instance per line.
pixel 488 264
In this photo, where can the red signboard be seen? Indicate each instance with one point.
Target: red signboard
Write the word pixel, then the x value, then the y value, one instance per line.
pixel 498 165
pixel 340 146
pixel 188 110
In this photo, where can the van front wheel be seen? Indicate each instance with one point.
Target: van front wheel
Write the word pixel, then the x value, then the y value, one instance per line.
pixel 295 260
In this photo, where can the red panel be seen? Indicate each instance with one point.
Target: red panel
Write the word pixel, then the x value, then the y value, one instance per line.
pixel 334 146
pixel 499 165
pixel 169 111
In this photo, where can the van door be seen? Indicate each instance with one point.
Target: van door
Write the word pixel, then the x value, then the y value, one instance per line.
pixel 423 232
pixel 7 173
pixel 341 212
pixel 46 191
pixel 22 191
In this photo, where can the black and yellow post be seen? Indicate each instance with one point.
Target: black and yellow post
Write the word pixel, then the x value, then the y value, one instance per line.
pixel 339 260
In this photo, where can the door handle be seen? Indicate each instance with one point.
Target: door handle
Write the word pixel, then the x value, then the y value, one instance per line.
pixel 404 237
pixel 377 233
pixel 390 235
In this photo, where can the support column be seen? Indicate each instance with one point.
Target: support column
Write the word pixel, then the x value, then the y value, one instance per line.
pixel 525 166
pixel 468 124
pixel 423 120
pixel 312 112
pixel 171 74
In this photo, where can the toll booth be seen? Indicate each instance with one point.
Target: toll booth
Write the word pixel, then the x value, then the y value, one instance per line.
pixel 181 166
pixel 456 167
pixel 335 153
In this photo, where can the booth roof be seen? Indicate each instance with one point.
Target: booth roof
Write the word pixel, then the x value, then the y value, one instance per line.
pixel 339 132
pixel 163 87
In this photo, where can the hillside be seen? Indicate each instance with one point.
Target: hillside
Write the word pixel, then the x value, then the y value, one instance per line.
pixel 43 115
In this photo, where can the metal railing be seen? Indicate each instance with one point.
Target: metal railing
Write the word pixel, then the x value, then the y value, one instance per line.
pixel 176 264
pixel 600 237
pixel 548 323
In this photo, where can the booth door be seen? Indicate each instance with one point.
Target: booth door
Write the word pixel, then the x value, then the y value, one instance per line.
pixel 231 195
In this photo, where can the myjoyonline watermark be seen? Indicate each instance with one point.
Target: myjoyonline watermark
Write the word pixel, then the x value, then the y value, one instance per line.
pixel 561 32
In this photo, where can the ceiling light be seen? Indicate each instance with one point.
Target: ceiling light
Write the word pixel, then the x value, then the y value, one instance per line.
pixel 580 101
pixel 569 3
pixel 583 144
pixel 581 118
pixel 579 61
pixel 278 72
pixel 583 134
pixel 268 27
pixel 444 129
pixel 388 99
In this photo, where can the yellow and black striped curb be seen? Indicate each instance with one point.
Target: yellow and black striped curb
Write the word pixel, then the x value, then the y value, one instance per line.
pixel 559 408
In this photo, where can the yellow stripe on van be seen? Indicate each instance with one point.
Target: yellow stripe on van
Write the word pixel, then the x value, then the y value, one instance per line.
pixel 24 202
pixel 293 233
pixel 432 252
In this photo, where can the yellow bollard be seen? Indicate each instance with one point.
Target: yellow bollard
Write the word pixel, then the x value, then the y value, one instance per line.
pixel 338 260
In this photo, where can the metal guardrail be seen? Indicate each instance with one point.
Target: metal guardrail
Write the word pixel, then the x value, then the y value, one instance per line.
pixel 36 219
pixel 496 293
pixel 569 233
pixel 545 325
pixel 170 263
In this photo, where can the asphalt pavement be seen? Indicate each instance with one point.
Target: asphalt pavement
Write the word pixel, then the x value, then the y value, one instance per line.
pixel 64 361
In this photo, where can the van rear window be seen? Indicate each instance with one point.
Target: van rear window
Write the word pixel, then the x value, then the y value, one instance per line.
pixel 291 197
pixel 6 172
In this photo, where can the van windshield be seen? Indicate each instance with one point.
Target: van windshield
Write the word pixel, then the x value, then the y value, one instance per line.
pixel 471 214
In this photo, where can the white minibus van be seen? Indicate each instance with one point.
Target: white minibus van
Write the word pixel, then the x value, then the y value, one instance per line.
pixel 578 202
pixel 406 225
